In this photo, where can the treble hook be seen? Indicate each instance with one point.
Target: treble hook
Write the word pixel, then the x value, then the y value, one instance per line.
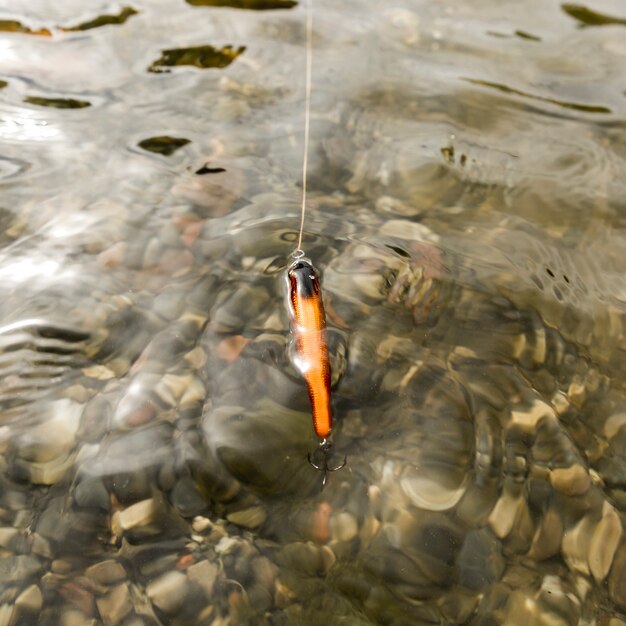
pixel 324 450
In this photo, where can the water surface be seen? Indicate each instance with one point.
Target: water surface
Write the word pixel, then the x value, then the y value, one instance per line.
pixel 466 213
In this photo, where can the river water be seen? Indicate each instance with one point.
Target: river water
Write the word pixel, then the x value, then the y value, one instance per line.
pixel 467 217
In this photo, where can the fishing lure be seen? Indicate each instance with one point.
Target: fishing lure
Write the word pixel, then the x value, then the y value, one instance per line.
pixel 306 309
pixel 308 327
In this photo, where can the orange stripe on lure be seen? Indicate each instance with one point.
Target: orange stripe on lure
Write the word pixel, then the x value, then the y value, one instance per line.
pixel 308 326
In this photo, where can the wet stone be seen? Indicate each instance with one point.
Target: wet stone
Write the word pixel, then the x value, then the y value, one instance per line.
pixel 30 600
pixel 617 578
pixel 480 562
pixel 40 546
pixel 260 598
pixel 18 568
pixel 10 538
pixel 572 481
pixel 72 617
pixel 91 492
pixel 115 605
pixel 248 518
pixel 575 546
pixel 168 592
pixel 344 526
pixel 548 536
pixel 604 542
pixel 186 498
pixel 106 572
pixel 78 595
pixel 204 574
pixel 265 572
pixel 427 493
pixel 139 514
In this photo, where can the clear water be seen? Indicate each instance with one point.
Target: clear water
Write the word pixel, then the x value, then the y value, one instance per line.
pixel 466 214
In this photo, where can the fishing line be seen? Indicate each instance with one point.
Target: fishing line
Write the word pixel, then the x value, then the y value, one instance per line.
pixel 307 113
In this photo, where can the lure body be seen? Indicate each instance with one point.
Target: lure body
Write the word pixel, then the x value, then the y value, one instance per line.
pixel 308 325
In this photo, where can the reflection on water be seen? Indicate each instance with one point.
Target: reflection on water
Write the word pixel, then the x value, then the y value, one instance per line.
pixel 466 216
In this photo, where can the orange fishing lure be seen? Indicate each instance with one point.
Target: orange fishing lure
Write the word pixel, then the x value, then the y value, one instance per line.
pixel 308 326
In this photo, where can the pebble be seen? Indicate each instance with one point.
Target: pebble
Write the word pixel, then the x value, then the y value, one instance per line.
pixel 106 572
pixel 604 542
pixel 201 524
pixel 9 537
pixel 576 394
pixel 168 592
pixel 547 539
pixel 72 617
pixel 197 358
pixel 99 372
pixel 319 530
pixel 265 572
pixel 575 545
pixel 52 472
pixel 505 513
pixel 480 562
pixel 204 574
pixel 187 499
pixel 248 518
pixel 530 417
pixel 139 514
pixel 55 436
pixel 17 568
pixel 259 598
pixel 30 600
pixel 614 424
pixel 194 393
pixel 344 526
pixel 571 481
pixel 115 605
pixel 426 493
pixel 91 492
pixel 77 595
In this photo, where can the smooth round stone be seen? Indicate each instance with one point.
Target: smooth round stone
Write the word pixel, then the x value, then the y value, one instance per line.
pixel 91 492
pixel 16 568
pixel 506 513
pixel 55 436
pixel 168 592
pixel 115 605
pixel 265 572
pixel 140 514
pixel 617 578
pixel 302 557
pixel 248 518
pixel 30 600
pixel 572 481
pixel 204 574
pixel 187 499
pixel 344 526
pixel 426 493
pixel 575 546
pixel 548 536
pixel 129 487
pixel 604 542
pixel 71 617
pixel 480 562
pixel 259 598
pixel 106 572
pixel 10 538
